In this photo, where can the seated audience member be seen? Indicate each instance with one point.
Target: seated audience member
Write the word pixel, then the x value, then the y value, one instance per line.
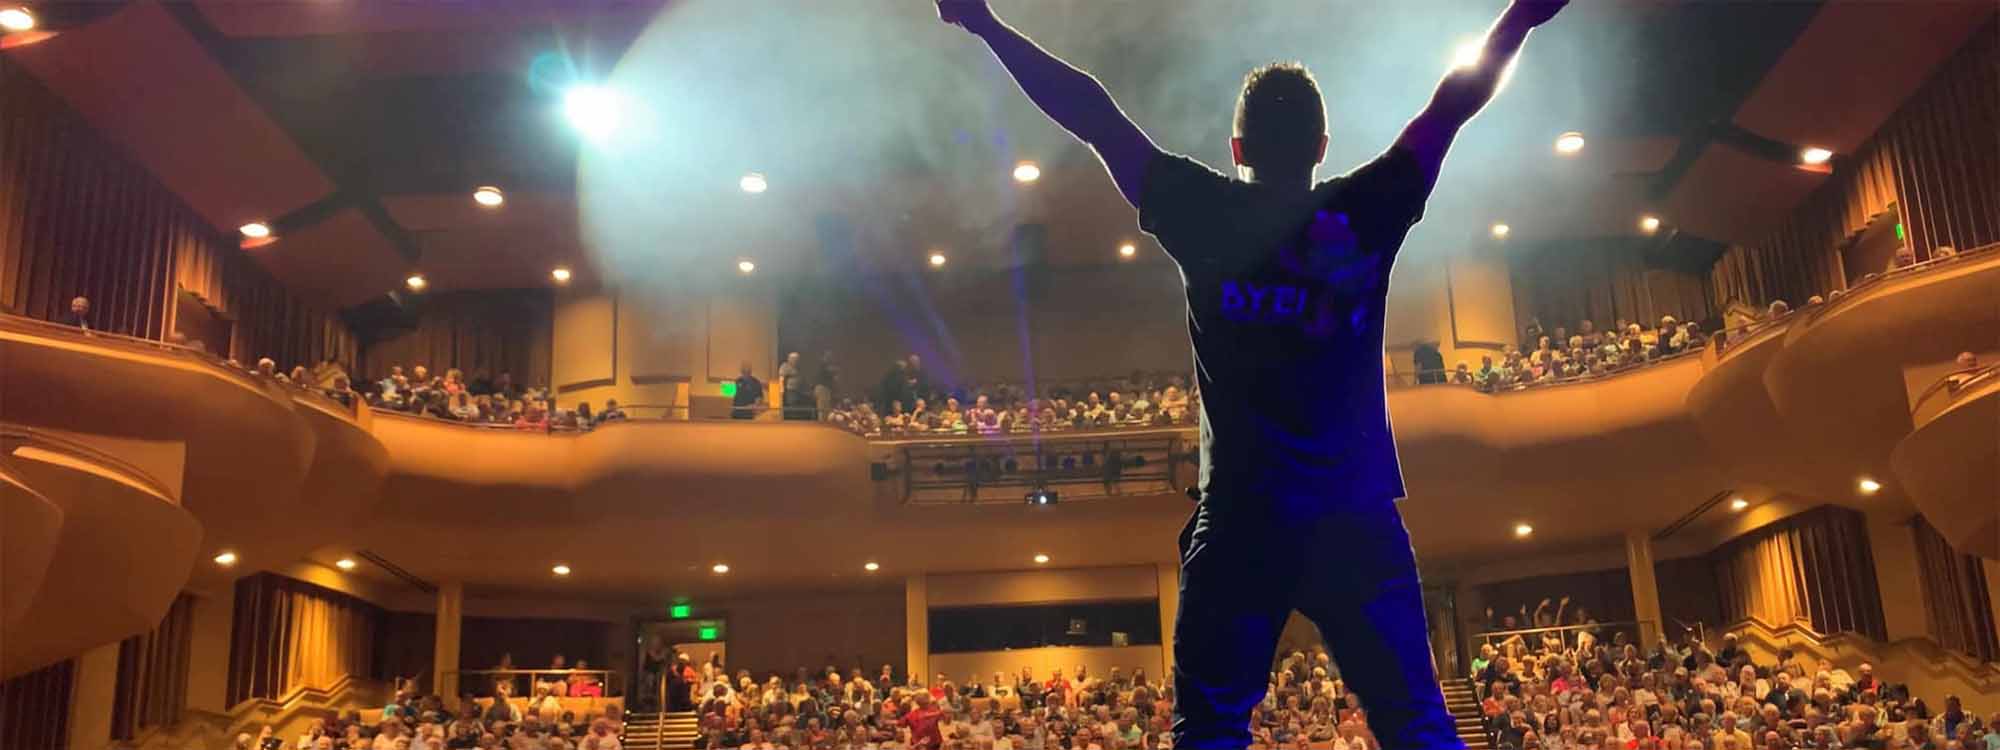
pixel 79 314
pixel 611 412
pixel 1967 365
pixel 749 395
pixel 1462 374
pixel 462 408
pixel 533 417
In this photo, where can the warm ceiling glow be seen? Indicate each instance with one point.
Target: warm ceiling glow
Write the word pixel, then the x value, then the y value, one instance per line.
pixel 871 567
pixel 226 559
pixel 1522 530
pixel 1649 223
pixel 937 260
pixel 1468 53
pixel 1027 171
pixel 746 266
pixel 416 282
pixel 255 230
pixel 17 19
pixel 1815 155
pixel 720 568
pixel 1501 230
pixel 560 569
pixel 1869 486
pixel 1127 250
pixel 560 274
pixel 1041 559
pixel 592 110
pixel 753 183
pixel 488 196
pixel 1569 143
pixel 344 564
pixel 1738 504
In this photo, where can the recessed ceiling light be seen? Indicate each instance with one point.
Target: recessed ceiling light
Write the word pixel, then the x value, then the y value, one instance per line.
pixel 1649 223
pixel 560 274
pixel 226 559
pixel 1569 143
pixel 1738 504
pixel 560 569
pixel 746 266
pixel 1501 230
pixel 1869 486
pixel 1041 559
pixel 416 282
pixel 1522 530
pixel 753 183
pixel 592 110
pixel 1027 171
pixel 871 567
pixel 344 563
pixel 255 230
pixel 488 196
pixel 17 19
pixel 1815 155
pixel 1127 250
pixel 937 260
pixel 720 568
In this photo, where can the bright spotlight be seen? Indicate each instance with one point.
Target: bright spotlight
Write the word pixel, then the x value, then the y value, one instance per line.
pixel 560 274
pixel 1522 530
pixel 255 230
pixel 1738 504
pixel 1569 143
pixel 753 183
pixel 592 110
pixel 488 196
pixel 1027 171
pixel 937 260
pixel 1649 223
pixel 1468 53
pixel 746 266
pixel 1815 155
pixel 17 19
pixel 416 282
pixel 1500 231
pixel 1127 250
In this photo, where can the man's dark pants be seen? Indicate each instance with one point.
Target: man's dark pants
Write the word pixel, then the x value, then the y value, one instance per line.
pixel 1246 566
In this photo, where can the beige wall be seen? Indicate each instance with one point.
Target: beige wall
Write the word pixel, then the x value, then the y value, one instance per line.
pixel 780 633
pixel 660 346
pixel 208 651
pixel 1460 301
pixel 1898 575
pixel 1100 660
pixel 1044 586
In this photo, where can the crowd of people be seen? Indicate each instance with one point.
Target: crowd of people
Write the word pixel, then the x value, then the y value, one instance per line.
pixel 1563 354
pixel 483 400
pixel 1575 691
pixel 412 721
pixel 908 402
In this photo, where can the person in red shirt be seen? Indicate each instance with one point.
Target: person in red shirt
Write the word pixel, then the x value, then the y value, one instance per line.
pixel 922 722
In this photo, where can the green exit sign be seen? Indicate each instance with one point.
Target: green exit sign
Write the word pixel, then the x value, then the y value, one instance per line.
pixel 729 389
pixel 681 611
pixel 707 632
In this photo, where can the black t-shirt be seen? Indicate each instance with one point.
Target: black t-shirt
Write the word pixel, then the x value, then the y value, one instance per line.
pixel 1285 291
pixel 748 390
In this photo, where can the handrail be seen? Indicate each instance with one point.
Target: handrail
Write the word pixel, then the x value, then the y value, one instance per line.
pixel 1972 377
pixel 1403 379
pixel 1982 674
pixel 10 432
pixel 1722 340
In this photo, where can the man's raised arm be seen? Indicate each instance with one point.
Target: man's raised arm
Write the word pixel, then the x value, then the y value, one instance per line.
pixel 1071 97
pixel 1466 90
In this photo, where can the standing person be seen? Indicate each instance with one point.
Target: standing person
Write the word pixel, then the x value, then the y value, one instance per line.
pixel 797 401
pixel 1285 284
pixel 923 721
pixel 749 395
pixel 825 386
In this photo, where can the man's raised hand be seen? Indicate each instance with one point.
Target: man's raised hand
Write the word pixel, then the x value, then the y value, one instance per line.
pixel 965 14
pixel 1534 12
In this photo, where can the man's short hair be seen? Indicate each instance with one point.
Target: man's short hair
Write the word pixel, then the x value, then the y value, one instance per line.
pixel 1280 116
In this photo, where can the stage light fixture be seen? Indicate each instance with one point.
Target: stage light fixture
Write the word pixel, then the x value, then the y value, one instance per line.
pixel 1041 559
pixel 1814 155
pixel 1869 486
pixel 560 274
pixel 753 183
pixel 720 568
pixel 1738 504
pixel 937 260
pixel 344 563
pixel 17 19
pixel 560 569
pixel 592 110
pixel 1500 231
pixel 226 559
pixel 1522 530
pixel 255 230
pixel 488 196
pixel 1649 223
pixel 1127 250
pixel 1043 496
pixel 416 282
pixel 871 567
pixel 1569 143
pixel 746 266
pixel 1027 171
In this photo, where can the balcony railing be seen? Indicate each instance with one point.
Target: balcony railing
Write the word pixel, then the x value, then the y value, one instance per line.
pixel 521 682
pixel 1636 632
pixel 982 470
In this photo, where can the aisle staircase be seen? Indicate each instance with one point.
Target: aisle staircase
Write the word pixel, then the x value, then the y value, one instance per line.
pixel 661 731
pixel 1464 706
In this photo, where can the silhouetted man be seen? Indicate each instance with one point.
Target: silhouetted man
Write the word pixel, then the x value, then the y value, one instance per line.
pixel 1286 281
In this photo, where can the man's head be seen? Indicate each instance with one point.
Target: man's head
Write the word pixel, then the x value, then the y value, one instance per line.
pixel 1280 121
pixel 80 305
pixel 745 369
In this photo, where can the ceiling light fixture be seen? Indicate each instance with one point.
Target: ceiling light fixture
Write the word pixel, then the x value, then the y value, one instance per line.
pixel 17 19
pixel 1814 155
pixel 560 569
pixel 1569 143
pixel 1041 559
pixel 226 559
pixel 746 266
pixel 1738 504
pixel 344 563
pixel 416 282
pixel 1500 231
pixel 1522 530
pixel 871 567
pixel 560 274
pixel 720 568
pixel 1649 223
pixel 1127 250
pixel 488 196
pixel 937 260
pixel 255 230
pixel 1869 486
pixel 753 183
pixel 1027 171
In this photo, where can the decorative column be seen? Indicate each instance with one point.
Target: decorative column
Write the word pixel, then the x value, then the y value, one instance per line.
pixel 917 626
pixel 444 654
pixel 1645 590
pixel 1169 575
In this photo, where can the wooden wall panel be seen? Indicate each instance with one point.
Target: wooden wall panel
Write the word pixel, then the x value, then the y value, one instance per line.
pixel 586 340
pixel 663 333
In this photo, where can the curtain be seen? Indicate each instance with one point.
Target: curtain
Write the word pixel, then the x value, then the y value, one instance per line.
pixel 1934 159
pixel 78 218
pixel 498 331
pixel 1603 281
pixel 1813 569
pixel 291 635
pixel 152 674
pixel 34 709
pixel 1957 603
